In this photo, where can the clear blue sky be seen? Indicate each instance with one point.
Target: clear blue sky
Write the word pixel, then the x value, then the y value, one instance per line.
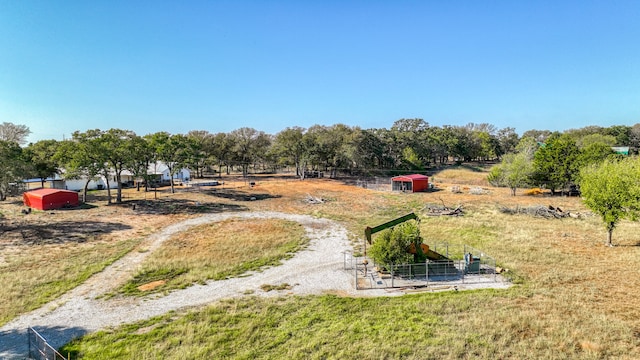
pixel 212 65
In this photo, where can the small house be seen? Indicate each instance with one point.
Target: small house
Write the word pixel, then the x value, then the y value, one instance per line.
pixel 48 199
pixel 412 183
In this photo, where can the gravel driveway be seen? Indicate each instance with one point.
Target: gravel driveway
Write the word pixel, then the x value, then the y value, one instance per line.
pixel 317 269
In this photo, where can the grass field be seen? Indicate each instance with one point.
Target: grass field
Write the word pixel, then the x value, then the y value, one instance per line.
pixel 574 297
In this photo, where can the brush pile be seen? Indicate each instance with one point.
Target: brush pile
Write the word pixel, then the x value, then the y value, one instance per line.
pixel 548 212
pixel 313 200
pixel 442 210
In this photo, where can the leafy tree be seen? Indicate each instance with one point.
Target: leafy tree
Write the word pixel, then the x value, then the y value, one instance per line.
pixel 222 151
pixel 634 137
pixel 203 156
pixel 556 163
pixel 173 150
pixel 14 133
pixel 527 145
pixel 622 134
pixel 119 153
pixel 595 153
pixel 84 156
pixel 611 190
pixel 508 139
pixel 587 140
pixel 12 166
pixel 144 157
pixel 249 144
pixel 368 149
pixel 42 159
pixel 392 245
pixel 413 134
pixel 538 135
pixel 289 149
pixel 514 171
pixel 411 159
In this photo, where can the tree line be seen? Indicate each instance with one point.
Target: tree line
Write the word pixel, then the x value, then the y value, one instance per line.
pixel 409 145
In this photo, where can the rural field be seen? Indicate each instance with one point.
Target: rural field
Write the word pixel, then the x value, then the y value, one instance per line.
pixel 572 296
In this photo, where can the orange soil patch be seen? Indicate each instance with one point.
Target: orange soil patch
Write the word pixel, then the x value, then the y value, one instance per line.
pixel 152 285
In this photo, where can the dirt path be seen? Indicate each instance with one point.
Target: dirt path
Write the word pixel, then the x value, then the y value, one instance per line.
pixel 315 270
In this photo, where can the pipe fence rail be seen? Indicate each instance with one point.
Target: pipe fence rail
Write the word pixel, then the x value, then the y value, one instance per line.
pixel 39 348
pixel 463 265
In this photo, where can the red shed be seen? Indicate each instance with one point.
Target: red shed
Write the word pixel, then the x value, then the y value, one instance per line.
pixel 413 183
pixel 47 199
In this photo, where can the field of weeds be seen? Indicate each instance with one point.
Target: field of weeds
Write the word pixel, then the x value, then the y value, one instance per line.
pixel 574 297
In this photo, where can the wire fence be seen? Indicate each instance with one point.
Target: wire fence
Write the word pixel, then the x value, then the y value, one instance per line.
pixel 39 348
pixel 463 264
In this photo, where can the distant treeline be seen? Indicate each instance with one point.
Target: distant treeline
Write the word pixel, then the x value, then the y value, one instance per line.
pixel 409 145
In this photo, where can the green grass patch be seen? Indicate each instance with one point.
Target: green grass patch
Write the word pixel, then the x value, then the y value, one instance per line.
pixel 449 325
pixel 216 251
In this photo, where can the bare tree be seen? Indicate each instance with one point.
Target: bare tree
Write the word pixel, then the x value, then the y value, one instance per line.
pixel 14 133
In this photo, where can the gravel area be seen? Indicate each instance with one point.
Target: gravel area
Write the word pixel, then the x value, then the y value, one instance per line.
pixel 317 269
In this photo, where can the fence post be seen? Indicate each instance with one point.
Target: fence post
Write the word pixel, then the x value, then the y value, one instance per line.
pixel 410 275
pixel 355 269
pixel 391 269
pixel 426 270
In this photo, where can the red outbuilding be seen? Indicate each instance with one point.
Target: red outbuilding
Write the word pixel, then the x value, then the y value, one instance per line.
pixel 413 183
pixel 48 199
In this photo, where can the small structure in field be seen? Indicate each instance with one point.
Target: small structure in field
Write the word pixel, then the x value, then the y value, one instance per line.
pixel 49 199
pixel 413 183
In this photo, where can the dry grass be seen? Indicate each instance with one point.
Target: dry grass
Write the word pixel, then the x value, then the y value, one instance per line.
pixel 576 298
pixel 463 175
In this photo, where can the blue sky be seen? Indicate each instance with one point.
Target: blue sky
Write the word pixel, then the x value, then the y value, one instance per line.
pixel 173 66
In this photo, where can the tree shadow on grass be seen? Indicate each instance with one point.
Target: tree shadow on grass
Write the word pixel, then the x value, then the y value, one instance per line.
pixel 179 206
pixel 47 233
pixel 16 344
pixel 240 195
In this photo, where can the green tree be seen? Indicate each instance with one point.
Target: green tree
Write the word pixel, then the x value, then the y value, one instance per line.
pixel 514 171
pixel 173 150
pixel 289 149
pixel 556 163
pixel 622 134
pixel 248 145
pixel 140 163
pixel 587 140
pixel 508 140
pixel 119 152
pixel 595 153
pixel 12 166
pixel 84 157
pixel 222 151
pixel 392 245
pixel 611 190
pixel 411 159
pixel 202 156
pixel 42 159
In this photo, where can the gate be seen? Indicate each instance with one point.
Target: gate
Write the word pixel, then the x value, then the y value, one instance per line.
pixel 39 348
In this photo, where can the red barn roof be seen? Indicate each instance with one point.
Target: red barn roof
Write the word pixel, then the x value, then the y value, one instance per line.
pixel 410 177
pixel 47 199
pixel 413 183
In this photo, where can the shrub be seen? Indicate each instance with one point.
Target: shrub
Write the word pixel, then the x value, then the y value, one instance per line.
pixel 392 245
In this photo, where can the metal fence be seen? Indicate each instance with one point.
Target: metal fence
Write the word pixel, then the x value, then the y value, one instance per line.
pixel 464 265
pixel 39 348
